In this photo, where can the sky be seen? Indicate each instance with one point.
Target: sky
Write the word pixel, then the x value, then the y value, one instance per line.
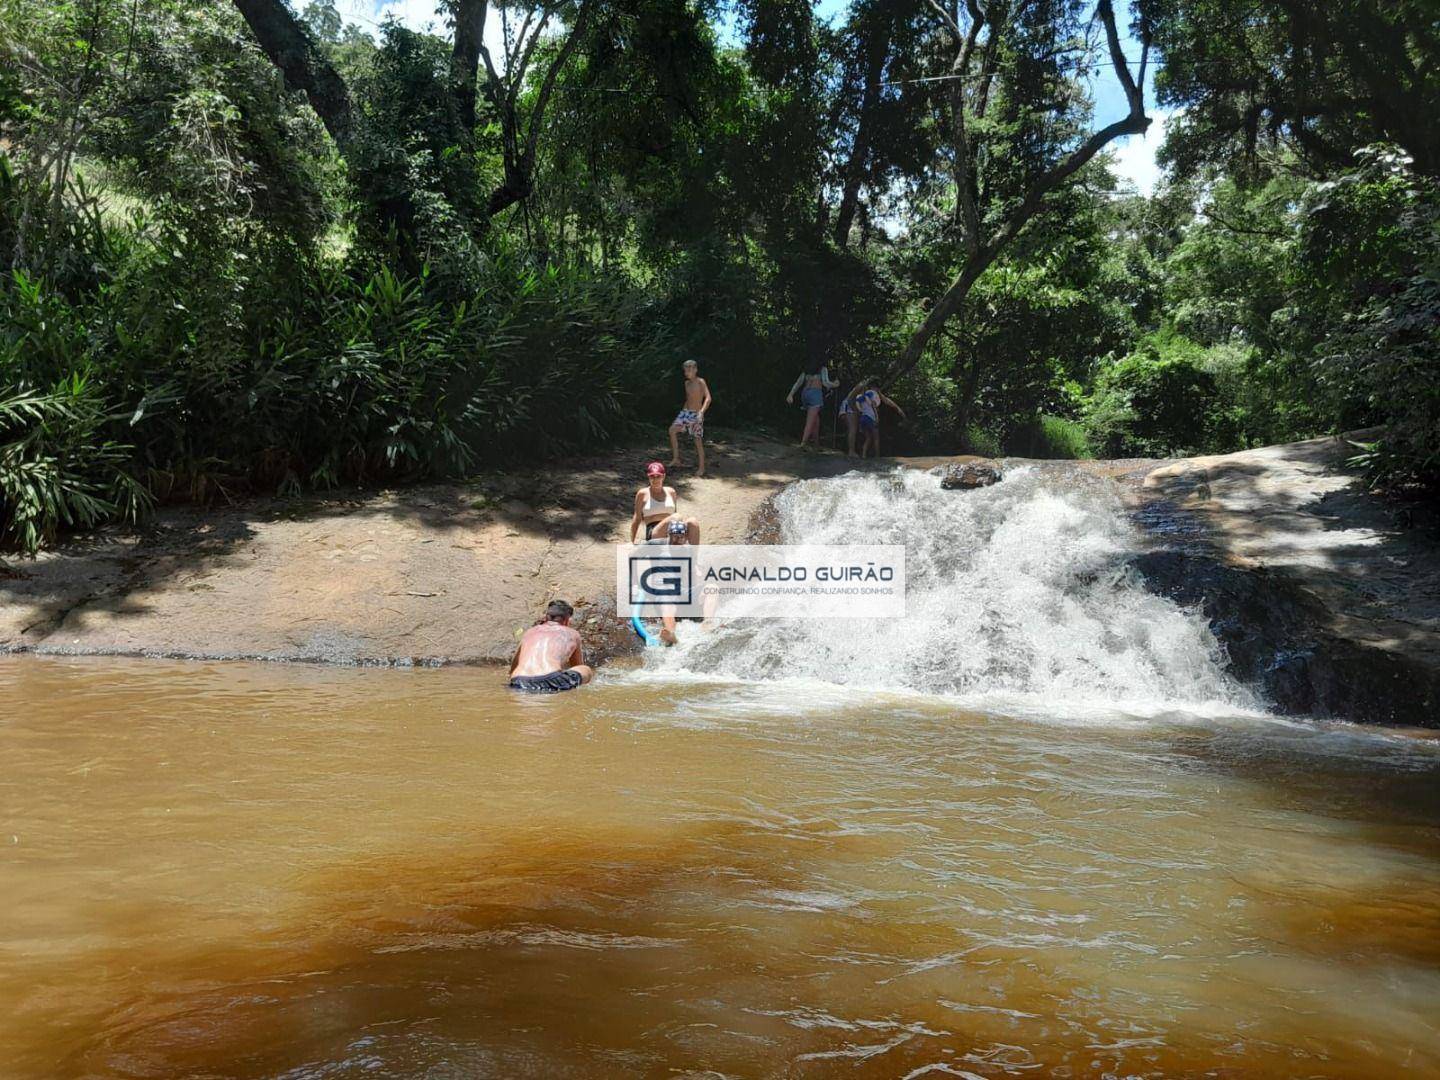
pixel 1134 155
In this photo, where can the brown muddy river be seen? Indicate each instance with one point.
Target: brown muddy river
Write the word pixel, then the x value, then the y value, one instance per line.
pixel 246 870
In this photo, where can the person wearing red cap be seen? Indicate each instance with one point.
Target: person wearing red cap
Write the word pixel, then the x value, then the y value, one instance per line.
pixel 655 506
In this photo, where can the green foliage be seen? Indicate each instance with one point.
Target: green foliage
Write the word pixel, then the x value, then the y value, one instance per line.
pixel 1062 438
pixel 204 292
pixel 1370 265
pixel 979 441
pixel 58 467
pixel 1322 80
pixel 1160 400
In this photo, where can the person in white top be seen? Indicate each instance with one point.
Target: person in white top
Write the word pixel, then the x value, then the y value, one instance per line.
pixel 865 400
pixel 655 507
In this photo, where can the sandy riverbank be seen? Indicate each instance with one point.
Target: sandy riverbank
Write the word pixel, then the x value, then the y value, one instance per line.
pixel 441 573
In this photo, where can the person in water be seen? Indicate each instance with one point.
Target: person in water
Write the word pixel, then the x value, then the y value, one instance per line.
pixel 655 508
pixel 549 660
pixel 691 418
pixel 816 380
pixel 676 534
pixel 866 400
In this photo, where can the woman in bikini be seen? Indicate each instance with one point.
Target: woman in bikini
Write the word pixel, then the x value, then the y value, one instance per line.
pixel 816 380
pixel 655 508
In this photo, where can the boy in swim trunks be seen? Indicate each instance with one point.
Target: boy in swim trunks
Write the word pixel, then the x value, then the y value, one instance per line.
pixel 691 418
pixel 549 660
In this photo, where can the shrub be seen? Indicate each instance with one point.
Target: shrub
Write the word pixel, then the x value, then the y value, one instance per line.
pixel 1062 438
pixel 1375 309
pixel 1157 401
pixel 57 470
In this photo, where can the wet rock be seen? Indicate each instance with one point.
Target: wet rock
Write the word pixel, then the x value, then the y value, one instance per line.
pixel 970 474
pixel 1282 641
pixel 604 634
pixel 1323 603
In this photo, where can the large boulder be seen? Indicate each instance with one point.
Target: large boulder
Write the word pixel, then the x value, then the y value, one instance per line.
pixel 969 474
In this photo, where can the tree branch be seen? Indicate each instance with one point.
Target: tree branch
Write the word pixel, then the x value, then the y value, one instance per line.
pixel 948 20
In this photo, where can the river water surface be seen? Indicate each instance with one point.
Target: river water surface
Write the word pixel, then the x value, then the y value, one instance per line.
pixel 1030 830
pixel 256 870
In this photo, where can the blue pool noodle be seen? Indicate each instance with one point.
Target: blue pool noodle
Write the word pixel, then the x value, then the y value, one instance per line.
pixel 639 628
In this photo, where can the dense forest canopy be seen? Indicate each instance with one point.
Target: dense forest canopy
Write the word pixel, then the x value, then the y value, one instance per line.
pixel 253 247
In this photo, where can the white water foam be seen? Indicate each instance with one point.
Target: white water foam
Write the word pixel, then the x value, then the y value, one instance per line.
pixel 1018 593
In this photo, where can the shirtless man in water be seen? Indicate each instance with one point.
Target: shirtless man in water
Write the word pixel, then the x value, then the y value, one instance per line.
pixel 549 660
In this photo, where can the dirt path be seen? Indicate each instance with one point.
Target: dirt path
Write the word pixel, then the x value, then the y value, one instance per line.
pixel 439 573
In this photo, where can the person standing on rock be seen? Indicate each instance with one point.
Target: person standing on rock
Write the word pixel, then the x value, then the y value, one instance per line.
pixel 816 380
pixel 851 417
pixel 691 418
pixel 866 402
pixel 549 659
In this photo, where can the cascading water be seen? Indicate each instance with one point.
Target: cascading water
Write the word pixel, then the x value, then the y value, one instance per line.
pixel 1020 591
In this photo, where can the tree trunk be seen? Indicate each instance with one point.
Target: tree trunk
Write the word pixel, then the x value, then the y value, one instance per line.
pixel 465 60
pixel 291 49
pixel 878 46
pixel 967 400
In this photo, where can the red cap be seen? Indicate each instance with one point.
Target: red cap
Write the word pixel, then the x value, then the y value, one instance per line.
pixel 654 469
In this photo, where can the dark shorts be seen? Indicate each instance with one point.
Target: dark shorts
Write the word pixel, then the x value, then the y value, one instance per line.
pixel 867 423
pixel 554 683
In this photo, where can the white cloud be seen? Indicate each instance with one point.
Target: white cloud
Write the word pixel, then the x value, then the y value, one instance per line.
pixel 1134 159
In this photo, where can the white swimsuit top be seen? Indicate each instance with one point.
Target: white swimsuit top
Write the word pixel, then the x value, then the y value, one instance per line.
pixel 651 507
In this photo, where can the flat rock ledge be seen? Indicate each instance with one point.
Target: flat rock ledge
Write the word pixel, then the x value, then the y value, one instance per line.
pixel 1325 596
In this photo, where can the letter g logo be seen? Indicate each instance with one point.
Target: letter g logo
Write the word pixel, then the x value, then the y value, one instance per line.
pixel 662 582
pixel 657 580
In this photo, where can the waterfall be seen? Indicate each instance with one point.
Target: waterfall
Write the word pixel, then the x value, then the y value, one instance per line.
pixel 1020 591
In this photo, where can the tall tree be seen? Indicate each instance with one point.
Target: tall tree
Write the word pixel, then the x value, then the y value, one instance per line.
pixel 1323 79
pixel 519 133
pixel 292 47
pixel 1023 57
pixel 872 31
